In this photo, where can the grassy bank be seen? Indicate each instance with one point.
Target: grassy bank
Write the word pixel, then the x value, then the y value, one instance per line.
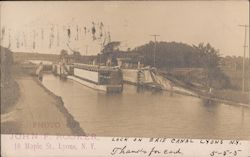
pixel 231 96
pixel 9 87
pixel 9 95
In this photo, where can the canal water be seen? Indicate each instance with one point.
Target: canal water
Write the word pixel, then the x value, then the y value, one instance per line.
pixel 149 113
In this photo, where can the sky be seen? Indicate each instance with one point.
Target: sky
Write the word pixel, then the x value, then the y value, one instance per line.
pixel 132 22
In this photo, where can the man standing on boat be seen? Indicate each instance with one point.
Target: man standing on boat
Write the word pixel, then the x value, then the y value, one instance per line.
pixel 39 71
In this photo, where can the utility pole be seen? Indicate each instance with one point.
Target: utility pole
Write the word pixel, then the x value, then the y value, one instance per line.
pixel 244 55
pixel 58 36
pixel 86 50
pixel 100 55
pixel 155 36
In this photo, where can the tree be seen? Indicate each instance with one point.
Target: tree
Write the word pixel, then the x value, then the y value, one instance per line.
pixel 210 58
pixel 111 47
pixel 169 55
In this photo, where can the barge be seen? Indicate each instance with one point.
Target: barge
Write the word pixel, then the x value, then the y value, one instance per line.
pixel 102 78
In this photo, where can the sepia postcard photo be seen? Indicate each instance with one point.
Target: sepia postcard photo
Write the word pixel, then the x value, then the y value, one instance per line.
pixel 167 69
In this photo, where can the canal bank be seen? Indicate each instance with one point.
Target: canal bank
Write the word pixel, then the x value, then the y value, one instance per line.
pixel 227 96
pixel 37 111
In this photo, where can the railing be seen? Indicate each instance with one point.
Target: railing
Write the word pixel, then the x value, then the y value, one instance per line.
pixel 94 67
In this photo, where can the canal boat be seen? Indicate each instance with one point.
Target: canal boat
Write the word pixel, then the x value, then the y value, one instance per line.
pixel 135 73
pixel 103 78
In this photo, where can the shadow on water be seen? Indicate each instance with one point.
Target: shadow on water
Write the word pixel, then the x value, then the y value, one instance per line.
pixel 242 116
pixel 214 107
pixel 154 91
pixel 209 103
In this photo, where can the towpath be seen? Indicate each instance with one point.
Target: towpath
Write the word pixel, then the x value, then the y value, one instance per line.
pixel 36 112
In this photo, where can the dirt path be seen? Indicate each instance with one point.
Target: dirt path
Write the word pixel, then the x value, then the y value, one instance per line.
pixel 37 112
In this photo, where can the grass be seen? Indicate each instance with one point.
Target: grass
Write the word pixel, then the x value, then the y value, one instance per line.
pixel 9 95
pixel 233 93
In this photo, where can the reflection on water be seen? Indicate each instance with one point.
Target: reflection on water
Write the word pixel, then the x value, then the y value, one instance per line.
pixel 149 114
